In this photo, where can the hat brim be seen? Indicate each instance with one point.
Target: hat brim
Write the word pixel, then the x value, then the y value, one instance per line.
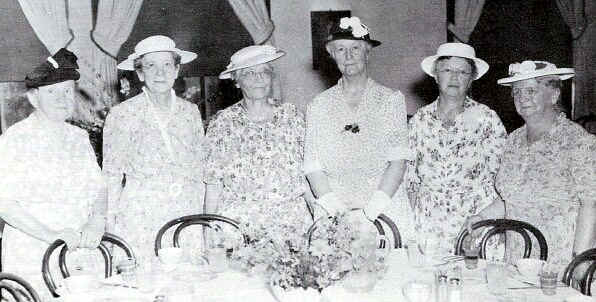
pixel 260 59
pixel 563 73
pixel 428 65
pixel 349 36
pixel 185 57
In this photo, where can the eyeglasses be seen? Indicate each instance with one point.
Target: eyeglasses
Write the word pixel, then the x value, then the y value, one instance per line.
pixel 153 68
pixel 254 74
pixel 457 72
pixel 518 92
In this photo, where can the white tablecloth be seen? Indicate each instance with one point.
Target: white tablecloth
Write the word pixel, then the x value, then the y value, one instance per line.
pixel 231 286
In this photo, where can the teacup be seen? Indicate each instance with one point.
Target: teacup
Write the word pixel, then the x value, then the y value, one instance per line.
pixel 530 267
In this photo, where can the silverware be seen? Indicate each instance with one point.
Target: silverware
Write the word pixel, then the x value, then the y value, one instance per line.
pixel 119 285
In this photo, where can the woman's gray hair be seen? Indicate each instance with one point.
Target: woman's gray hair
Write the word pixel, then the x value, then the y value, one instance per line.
pixel 138 65
pixel 470 62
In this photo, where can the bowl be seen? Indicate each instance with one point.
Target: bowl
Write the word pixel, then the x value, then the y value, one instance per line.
pixel 170 255
pixel 81 283
pixel 530 267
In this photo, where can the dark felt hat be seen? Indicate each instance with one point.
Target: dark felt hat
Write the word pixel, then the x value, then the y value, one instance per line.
pixel 350 28
pixel 60 67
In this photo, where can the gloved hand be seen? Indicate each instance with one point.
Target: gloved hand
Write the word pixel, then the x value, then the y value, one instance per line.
pixel 92 232
pixel 379 202
pixel 331 203
pixel 71 237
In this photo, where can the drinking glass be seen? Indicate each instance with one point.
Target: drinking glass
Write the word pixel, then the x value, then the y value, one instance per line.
pixel 218 259
pixel 415 253
pixel 548 283
pixel 496 275
pixel 471 257
pixel 127 269
pixel 417 291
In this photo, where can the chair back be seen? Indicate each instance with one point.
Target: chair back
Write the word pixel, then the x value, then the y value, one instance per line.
pixel 500 226
pixel 378 223
pixel 18 288
pixel 105 251
pixel 185 221
pixel 586 281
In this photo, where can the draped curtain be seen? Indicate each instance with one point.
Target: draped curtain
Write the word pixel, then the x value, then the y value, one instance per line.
pixel 254 16
pixel 579 16
pixel 467 14
pixel 115 20
pixel 48 18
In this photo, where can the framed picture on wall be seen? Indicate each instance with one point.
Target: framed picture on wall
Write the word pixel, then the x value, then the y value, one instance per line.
pixel 321 23
pixel 14 105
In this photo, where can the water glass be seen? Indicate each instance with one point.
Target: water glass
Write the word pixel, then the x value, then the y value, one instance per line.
pixel 415 253
pixel 127 269
pixel 218 259
pixel 496 275
pixel 471 257
pixel 548 283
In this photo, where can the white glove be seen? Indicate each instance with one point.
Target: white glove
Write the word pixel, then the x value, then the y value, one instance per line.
pixel 379 202
pixel 331 203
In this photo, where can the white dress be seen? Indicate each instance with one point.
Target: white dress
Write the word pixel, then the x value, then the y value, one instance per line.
pixel 51 170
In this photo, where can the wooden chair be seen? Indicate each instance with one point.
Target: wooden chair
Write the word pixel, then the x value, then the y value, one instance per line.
pixel 22 292
pixel 586 281
pixel 185 221
pixel 105 251
pixel 500 226
pixel 381 219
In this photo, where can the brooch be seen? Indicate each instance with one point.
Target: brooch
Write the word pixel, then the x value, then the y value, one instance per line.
pixel 352 127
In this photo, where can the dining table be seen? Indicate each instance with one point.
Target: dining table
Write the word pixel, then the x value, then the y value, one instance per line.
pixel 190 282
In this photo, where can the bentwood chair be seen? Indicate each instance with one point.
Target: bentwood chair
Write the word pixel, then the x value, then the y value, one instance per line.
pixel 105 251
pixel 381 220
pixel 586 281
pixel 18 288
pixel 501 226
pixel 206 220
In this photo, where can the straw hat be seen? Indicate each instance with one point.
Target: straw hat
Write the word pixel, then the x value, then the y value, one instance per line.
pixel 251 56
pixel 533 69
pixel 153 44
pixel 455 50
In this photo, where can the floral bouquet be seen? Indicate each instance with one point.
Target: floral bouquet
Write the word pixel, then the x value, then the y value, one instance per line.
pixel 332 248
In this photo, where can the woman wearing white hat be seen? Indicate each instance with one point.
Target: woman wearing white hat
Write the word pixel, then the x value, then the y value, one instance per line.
pixel 356 137
pixel 254 159
pixel 548 168
pixel 153 144
pixel 457 144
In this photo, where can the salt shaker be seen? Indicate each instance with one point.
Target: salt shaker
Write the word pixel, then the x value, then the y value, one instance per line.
pixel 442 289
pixel 455 290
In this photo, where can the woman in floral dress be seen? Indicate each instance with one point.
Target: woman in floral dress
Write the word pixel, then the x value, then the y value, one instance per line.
pixel 254 155
pixel 153 145
pixel 457 144
pixel 356 137
pixel 548 169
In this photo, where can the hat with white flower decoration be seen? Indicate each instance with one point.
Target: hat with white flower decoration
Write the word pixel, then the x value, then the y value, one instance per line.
pixel 533 69
pixel 454 49
pixel 60 67
pixel 251 56
pixel 350 28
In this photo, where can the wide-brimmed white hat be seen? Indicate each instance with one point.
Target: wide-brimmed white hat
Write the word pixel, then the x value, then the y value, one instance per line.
pixel 454 50
pixel 251 56
pixel 533 69
pixel 154 44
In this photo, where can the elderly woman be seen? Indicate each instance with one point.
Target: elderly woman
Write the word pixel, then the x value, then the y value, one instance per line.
pixel 457 144
pixel 153 149
pixel 356 135
pixel 52 187
pixel 548 170
pixel 253 166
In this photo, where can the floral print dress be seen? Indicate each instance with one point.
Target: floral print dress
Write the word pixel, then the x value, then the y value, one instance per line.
pixel 259 165
pixel 163 170
pixel 544 183
pixel 452 174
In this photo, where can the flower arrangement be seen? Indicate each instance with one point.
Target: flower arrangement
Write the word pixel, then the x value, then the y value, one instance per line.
pixel 359 30
pixel 314 260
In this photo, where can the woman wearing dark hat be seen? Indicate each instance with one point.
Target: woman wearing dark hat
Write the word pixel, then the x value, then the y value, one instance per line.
pixel 154 142
pixel 548 169
pixel 254 159
pixel 356 138
pixel 457 144
pixel 52 186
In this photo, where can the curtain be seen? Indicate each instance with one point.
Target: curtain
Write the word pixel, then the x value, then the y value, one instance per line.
pixel 49 21
pixel 467 14
pixel 254 16
pixel 579 16
pixel 115 20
